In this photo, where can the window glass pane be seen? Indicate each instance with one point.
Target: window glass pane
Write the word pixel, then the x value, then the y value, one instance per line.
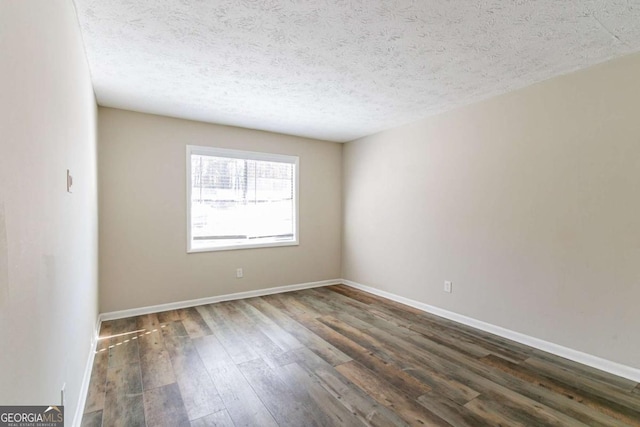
pixel 241 201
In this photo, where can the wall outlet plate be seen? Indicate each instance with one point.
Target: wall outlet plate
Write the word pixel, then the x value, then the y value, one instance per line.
pixel 239 273
pixel 448 286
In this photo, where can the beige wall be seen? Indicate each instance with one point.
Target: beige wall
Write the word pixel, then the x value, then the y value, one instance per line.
pixel 143 259
pixel 528 202
pixel 48 237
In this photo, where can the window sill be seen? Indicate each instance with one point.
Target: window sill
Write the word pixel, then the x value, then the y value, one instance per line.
pixel 242 246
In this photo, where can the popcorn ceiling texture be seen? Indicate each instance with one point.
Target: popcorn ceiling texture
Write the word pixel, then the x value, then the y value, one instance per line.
pixel 338 69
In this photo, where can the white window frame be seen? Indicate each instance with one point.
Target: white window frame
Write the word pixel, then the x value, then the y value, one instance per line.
pixel 249 155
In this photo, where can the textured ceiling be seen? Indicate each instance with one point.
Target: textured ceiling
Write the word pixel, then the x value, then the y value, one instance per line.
pixel 338 69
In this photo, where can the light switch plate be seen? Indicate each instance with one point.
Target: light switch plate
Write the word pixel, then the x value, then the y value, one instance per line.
pixel 69 181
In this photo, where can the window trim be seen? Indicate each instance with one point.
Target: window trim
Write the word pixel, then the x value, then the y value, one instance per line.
pixel 250 155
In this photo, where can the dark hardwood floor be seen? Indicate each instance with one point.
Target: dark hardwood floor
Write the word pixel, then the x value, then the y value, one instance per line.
pixel 336 356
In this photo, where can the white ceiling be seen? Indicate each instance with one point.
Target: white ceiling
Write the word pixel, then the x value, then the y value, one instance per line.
pixel 338 69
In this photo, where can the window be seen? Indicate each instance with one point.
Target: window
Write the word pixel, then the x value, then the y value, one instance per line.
pixel 240 199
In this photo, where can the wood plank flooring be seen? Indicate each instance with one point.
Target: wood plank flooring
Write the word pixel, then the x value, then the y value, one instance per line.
pixel 336 356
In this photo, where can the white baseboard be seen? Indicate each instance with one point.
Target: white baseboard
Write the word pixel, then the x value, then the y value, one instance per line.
pixel 86 378
pixel 77 419
pixel 210 300
pixel 568 353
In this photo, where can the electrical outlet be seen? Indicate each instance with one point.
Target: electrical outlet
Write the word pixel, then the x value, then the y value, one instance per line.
pixel 448 286
pixel 239 273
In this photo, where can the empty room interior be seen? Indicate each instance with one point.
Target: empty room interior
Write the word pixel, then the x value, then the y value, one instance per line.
pixel 330 213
